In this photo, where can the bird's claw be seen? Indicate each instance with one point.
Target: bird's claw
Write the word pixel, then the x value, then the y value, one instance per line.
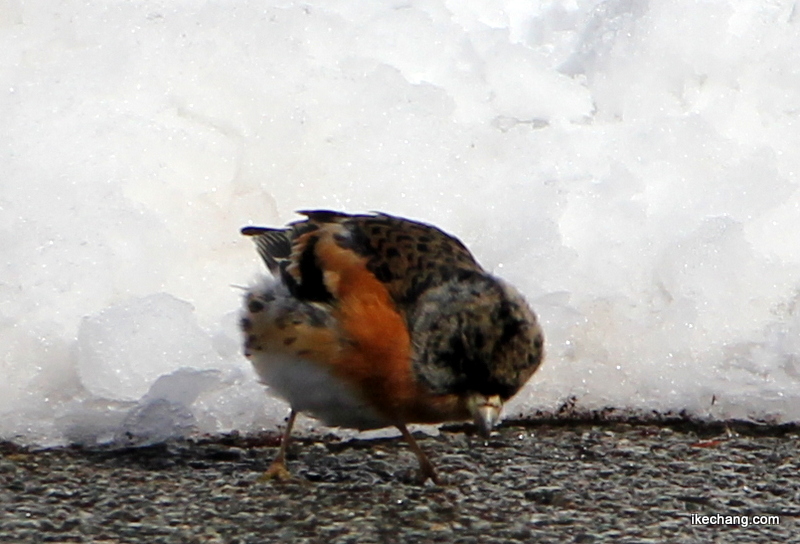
pixel 277 472
pixel 427 472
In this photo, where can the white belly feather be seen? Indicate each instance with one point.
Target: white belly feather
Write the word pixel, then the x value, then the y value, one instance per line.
pixel 313 390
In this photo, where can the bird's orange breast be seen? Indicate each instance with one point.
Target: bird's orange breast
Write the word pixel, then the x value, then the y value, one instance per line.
pixel 376 352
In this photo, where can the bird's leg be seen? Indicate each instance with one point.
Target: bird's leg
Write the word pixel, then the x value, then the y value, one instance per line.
pixel 277 470
pixel 426 469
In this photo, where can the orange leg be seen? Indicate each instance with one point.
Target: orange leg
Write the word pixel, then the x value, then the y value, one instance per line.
pixel 426 469
pixel 277 470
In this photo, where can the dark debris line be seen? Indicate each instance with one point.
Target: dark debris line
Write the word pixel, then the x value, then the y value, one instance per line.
pixel 575 482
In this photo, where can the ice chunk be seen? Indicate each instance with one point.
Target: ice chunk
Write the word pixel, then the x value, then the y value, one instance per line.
pixel 124 349
pixel 166 410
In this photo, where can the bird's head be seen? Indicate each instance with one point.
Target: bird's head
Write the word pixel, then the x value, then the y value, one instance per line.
pixel 476 337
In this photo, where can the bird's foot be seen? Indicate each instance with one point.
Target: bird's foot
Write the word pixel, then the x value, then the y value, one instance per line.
pixel 427 472
pixel 276 472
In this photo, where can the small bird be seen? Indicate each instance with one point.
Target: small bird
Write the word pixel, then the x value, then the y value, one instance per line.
pixel 373 320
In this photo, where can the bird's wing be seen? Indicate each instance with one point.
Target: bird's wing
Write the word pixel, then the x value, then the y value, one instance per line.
pixel 407 256
pixel 274 245
pixel 289 253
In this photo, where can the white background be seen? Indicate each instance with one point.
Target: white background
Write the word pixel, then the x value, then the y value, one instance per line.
pixel 631 166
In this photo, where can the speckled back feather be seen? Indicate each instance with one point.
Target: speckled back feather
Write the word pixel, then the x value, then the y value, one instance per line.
pixel 408 256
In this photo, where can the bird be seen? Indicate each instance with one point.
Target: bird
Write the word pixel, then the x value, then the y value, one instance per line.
pixel 373 320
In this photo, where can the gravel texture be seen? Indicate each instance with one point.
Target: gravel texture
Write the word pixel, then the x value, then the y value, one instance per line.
pixel 574 481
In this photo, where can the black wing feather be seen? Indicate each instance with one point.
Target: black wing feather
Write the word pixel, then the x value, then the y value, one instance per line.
pixel 274 246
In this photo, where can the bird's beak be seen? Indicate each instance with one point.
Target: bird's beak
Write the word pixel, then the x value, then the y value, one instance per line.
pixel 485 412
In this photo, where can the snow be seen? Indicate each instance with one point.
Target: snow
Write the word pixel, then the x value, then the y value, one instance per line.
pixel 630 166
